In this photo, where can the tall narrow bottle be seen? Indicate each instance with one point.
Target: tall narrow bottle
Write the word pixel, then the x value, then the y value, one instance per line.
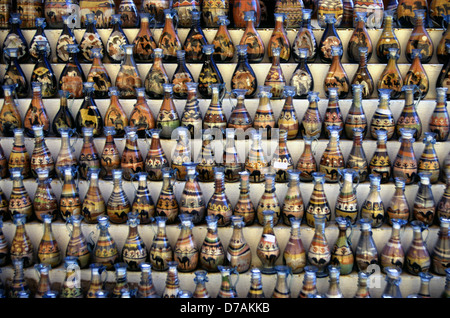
pixel 275 77
pixel 356 116
pixel 192 202
pixel 293 205
pixel 134 252
pixel 48 251
pixel 186 252
pixel 89 157
pixel 231 161
pixel 417 75
pixel 244 206
pixel 128 77
pixel 332 158
pixel 373 207
pixel 63 118
pixel 366 253
pixel 419 39
pixel 288 119
pixel 268 249
pixel 72 76
pixel 383 119
pixel 282 161
pixel 41 157
pixel 424 207
pixel 118 205
pixel 91 39
pixel 319 253
pixel 294 253
pixel 105 251
pixel 341 253
pixel 239 254
pixel 269 201
pixel 346 201
pixel 89 115
pixel 94 204
pixel 169 41
pixel 160 252
pixel 318 203
pixel 440 254
pixel 212 252
pixel 307 163
pixel 255 163
pixel 429 161
pixel 264 116
pixel 380 163
pixel 333 115
pixel 393 254
pixel 21 246
pixel 440 121
pixel 36 113
pixel 45 201
pixel 311 124
pixel 77 245
pixel 167 119
pixel 417 256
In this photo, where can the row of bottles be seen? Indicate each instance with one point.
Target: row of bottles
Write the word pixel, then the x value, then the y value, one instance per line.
pixel 318 261
pixel 344 11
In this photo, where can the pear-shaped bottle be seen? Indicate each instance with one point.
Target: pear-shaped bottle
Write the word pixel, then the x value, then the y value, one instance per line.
pixel 391 77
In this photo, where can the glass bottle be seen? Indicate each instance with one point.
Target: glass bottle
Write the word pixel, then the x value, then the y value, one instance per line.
pixel 223 45
pixel 41 156
pixel 405 163
pixel 305 39
pixel 393 255
pixel 333 115
pixel 200 280
pixel 293 206
pixel 91 39
pixel 121 284
pixel 21 246
pixel 186 10
pixel 424 207
pixel 387 39
pixel 243 76
pixel 118 205
pixel 89 115
pixel 419 39
pixel 209 74
pixel 255 163
pixel 231 161
pixel 356 116
pixel 441 53
pixel 36 114
pixel 311 124
pixel 307 162
pixel 9 115
pixel 239 8
pixel 281 161
pixel 110 156
pixel 211 10
pixel 244 206
pixel 329 38
pixel 105 251
pixel 186 252
pixel 143 203
pixel 227 286
pixel 19 201
pixel 16 39
pixel 288 119
pixel 144 43
pixel 319 253
pixel 160 252
pixel 282 287
pixel 275 78
pixel 429 161
pixel 169 41
pixel 417 257
pixel 391 77
pixel 114 47
pixel 142 116
pixel 383 119
pixel 39 36
pixel 362 75
pixel 406 12
pixel 346 201
pixel 48 251
pixel 336 75
pixel 215 117
pixel 6 8
pixel 155 8
pixel 134 252
pixel 409 118
pixel 14 74
pixel 70 202
pixel 167 119
pixel 44 283
pixel 182 77
pixel 191 117
pixel 417 75
pixel 129 13
pixel 97 283
pixel 269 200
pixel 424 288
pixel 66 37
pixel 373 207
pixel 268 249
pixel 181 154
pixel 440 252
pixel 357 158
pixel 264 118
pixel 251 38
pixel 256 288
pixel 439 122
pixel 380 163
pixel 63 118
pixel 279 39
pixel 195 40
pixel 212 252
pixel 341 253
pixel 393 279
pixel 115 115
pixel 206 159
pixel 239 254
pixel 44 200
pixel 19 285
pixel 98 75
pixel 89 157
pixel 157 76
pixel 294 253
pixel 77 246
pixel 360 38
pixel 172 284
pixel 444 75
pixel 219 205
pixel 309 287
pixel 374 10
pixel 366 253
pixel 398 207
pixel 192 201
pixel 332 158
pixel 442 205
pixel 102 16
pixel 334 289
pixel 329 8
pixel 145 288
pixel 128 78
pixel 94 204
pixel 156 159
pixel 302 79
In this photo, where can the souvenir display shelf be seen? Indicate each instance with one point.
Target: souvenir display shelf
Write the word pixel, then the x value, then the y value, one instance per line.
pixel 252 234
